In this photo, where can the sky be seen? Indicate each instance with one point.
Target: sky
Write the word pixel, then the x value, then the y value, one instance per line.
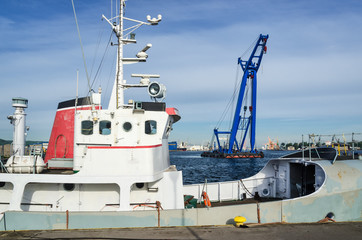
pixel 310 80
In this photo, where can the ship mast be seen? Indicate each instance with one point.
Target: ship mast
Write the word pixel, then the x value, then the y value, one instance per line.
pixel 124 37
pixel 119 76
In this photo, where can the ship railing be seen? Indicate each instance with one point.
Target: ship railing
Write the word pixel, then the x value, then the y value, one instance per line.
pixel 234 190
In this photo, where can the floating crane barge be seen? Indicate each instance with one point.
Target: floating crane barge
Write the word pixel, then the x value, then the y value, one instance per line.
pixel 217 154
pixel 243 121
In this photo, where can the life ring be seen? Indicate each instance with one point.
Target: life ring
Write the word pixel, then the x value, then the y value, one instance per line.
pixel 206 199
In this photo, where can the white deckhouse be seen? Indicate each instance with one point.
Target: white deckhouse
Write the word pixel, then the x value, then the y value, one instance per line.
pixel 120 155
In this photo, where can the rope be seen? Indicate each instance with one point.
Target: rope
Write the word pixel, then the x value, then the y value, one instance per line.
pixel 101 63
pixel 236 92
pixel 81 46
pixel 99 39
pixel 246 190
pixel 229 104
pixel 231 101
pixel 109 76
pixel 251 46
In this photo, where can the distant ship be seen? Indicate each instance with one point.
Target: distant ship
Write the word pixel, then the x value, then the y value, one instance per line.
pixel 173 146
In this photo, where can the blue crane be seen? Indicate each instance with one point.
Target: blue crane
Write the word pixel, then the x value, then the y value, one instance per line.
pixel 245 121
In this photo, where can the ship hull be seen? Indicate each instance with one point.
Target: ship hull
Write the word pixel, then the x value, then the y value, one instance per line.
pixel 340 195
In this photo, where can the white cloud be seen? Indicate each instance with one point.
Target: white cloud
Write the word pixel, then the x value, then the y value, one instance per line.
pixel 310 73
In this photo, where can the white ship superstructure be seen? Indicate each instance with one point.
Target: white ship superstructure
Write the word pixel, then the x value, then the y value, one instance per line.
pixel 120 154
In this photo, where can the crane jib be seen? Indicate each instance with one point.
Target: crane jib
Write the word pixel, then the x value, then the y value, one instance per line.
pixel 246 123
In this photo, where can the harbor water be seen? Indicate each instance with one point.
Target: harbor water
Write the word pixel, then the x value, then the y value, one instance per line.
pixel 195 169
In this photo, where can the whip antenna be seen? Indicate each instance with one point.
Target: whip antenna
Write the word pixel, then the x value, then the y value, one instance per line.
pixel 81 46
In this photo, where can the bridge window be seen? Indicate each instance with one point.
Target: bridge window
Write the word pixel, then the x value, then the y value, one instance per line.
pixel 105 127
pixel 151 127
pixel 87 127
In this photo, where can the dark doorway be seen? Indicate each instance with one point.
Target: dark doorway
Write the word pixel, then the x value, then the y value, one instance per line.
pixel 302 179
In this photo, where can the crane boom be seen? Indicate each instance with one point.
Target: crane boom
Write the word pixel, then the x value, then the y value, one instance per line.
pixel 245 121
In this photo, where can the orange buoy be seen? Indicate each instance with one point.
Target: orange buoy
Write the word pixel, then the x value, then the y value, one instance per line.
pixel 206 199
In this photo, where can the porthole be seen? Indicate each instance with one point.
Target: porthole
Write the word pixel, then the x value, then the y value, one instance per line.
pixel 68 186
pixel 265 192
pixel 140 185
pixel 127 126
pixel 2 184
